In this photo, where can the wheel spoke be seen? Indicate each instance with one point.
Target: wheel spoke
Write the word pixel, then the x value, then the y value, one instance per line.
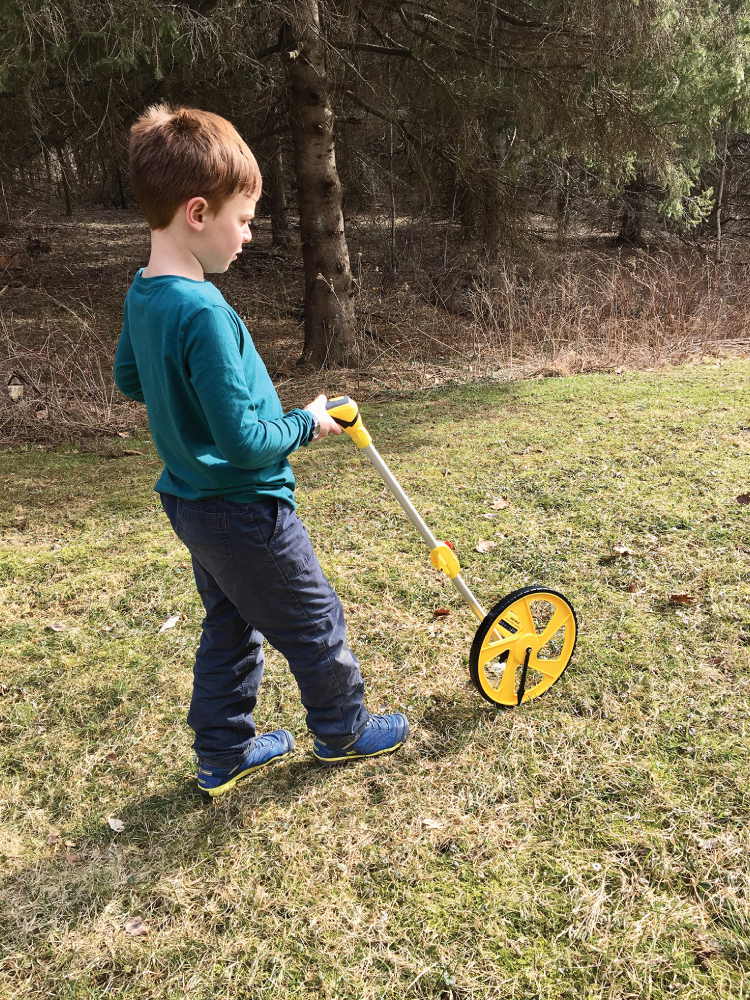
pixel 506 689
pixel 523 610
pixel 556 622
pixel 491 650
pixel 550 668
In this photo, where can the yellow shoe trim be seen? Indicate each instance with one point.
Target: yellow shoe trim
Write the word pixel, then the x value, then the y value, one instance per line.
pixel 357 756
pixel 229 785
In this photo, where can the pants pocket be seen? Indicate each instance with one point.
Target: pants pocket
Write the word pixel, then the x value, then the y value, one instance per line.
pixel 290 544
pixel 204 532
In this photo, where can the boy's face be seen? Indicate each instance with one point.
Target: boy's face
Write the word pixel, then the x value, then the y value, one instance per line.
pixel 222 234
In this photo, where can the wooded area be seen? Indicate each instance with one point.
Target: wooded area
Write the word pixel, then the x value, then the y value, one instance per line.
pixel 491 123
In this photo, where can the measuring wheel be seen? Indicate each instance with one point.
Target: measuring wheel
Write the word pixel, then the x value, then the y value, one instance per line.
pixel 523 645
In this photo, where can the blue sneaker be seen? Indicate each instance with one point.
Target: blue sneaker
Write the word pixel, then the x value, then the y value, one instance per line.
pixel 267 749
pixel 382 734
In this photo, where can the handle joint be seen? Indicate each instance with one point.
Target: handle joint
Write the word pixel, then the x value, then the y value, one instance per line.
pixel 443 557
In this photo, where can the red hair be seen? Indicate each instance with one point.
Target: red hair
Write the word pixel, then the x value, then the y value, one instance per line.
pixel 182 153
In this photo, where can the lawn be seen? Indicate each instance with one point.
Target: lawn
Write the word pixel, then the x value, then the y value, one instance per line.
pixel 592 844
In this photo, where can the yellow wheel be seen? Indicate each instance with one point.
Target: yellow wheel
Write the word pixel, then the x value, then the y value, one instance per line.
pixel 523 645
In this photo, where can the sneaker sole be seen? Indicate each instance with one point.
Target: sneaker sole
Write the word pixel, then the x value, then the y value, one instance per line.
pixel 229 785
pixel 357 756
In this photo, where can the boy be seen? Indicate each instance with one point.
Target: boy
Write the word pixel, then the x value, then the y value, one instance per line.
pixel 227 487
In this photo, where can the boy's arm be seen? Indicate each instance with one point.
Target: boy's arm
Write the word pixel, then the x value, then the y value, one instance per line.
pixel 127 379
pixel 212 355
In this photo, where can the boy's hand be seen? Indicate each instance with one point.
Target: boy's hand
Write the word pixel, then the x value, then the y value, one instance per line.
pixel 327 424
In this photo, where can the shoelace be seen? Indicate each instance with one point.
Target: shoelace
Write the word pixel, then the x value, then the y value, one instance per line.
pixel 264 741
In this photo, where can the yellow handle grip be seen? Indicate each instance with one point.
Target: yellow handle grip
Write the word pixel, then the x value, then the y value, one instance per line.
pixel 346 414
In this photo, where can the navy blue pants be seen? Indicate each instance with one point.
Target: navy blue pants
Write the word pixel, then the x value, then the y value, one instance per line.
pixel 258 576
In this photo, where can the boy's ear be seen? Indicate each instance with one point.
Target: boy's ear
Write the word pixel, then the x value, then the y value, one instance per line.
pixel 195 213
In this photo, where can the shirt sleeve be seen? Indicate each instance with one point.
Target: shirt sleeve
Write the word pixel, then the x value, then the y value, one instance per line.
pixel 212 355
pixel 127 379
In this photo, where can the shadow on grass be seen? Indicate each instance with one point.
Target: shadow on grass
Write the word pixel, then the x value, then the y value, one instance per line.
pixel 176 827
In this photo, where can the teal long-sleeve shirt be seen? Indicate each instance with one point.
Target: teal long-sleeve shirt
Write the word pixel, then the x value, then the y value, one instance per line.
pixel 214 413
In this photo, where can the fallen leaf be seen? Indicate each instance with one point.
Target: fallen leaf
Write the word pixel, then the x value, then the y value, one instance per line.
pixel 115 824
pixel 57 627
pixel 509 843
pixel 743 498
pixel 441 612
pixel 485 546
pixel 708 845
pixel 112 758
pixel 500 503
pixel 705 949
pixel 70 843
pixel 169 623
pixel 136 927
pixel 123 434
pixel 53 837
pixel 683 599
pixel 131 451
pixel 632 588
pixel 71 858
pixel 432 824
pixel 489 515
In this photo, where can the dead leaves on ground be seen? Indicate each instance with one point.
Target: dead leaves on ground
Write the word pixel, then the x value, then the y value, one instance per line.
pixel 169 623
pixel 704 950
pixel 485 546
pixel 683 599
pixel 711 844
pixel 499 503
pixel 136 927
pixel 618 552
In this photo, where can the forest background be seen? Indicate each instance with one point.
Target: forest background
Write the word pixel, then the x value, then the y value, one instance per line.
pixel 452 190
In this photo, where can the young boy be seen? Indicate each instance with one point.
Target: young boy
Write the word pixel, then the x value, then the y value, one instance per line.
pixel 227 487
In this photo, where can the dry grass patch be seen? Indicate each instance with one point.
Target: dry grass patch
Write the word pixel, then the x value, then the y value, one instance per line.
pixel 594 844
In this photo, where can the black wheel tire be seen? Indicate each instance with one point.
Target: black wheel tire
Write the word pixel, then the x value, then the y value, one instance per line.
pixel 488 625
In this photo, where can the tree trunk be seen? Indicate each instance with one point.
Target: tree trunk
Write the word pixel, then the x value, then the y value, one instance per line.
pixel 720 195
pixel 563 204
pixel 120 186
pixel 329 286
pixel 275 188
pixel 631 220
pixel 65 182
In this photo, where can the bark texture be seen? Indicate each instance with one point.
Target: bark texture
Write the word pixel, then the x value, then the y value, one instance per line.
pixel 329 286
pixel 631 220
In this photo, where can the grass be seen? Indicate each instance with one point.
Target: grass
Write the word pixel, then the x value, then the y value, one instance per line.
pixel 593 844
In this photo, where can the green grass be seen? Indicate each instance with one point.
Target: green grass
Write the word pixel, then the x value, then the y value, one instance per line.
pixel 592 845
